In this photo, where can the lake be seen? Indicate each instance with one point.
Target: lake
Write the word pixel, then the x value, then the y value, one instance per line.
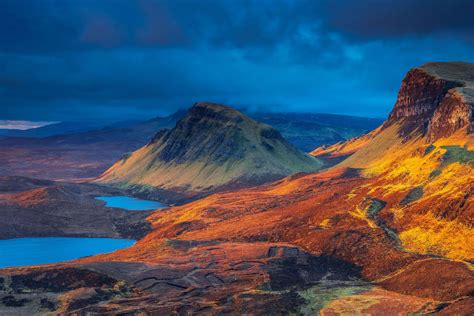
pixel 130 203
pixel 41 250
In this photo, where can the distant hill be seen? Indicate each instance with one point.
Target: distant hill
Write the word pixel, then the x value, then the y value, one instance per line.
pixel 54 129
pixel 213 147
pixel 77 155
pixel 6 132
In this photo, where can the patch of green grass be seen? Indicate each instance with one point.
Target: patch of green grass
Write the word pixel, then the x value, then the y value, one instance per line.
pixel 412 196
pixel 435 173
pixel 429 149
pixel 319 296
pixel 375 207
pixel 458 154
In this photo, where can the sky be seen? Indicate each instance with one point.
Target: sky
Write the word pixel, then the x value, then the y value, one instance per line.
pixel 132 59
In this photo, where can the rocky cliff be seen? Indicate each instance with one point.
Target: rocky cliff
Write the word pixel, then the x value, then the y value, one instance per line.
pixel 214 147
pixel 435 100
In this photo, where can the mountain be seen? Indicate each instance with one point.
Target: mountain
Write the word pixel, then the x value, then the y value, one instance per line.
pixel 59 128
pixel 421 161
pixel 435 101
pixel 214 147
pixel 309 130
pixel 77 155
pixel 387 231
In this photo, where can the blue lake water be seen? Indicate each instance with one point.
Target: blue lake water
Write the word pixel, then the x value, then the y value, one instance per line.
pixel 130 203
pixel 33 251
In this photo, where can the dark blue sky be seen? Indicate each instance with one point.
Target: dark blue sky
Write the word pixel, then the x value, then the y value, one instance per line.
pixel 124 59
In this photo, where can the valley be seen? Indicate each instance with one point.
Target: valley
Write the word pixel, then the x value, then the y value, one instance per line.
pixel 379 224
pixel 236 157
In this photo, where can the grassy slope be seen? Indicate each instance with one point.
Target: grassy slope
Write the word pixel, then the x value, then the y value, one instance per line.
pixel 439 221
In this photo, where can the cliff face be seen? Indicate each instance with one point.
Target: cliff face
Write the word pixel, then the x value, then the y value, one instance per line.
pixel 453 113
pixel 213 147
pixel 435 100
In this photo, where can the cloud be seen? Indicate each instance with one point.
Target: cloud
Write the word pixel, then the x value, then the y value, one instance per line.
pixel 141 58
pixel 371 19
pixel 22 125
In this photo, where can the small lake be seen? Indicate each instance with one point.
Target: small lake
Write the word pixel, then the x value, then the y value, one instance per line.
pixel 130 203
pixel 41 250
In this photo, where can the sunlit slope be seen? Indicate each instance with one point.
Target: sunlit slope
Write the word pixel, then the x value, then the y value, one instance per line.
pixel 428 190
pixel 213 147
pixel 421 161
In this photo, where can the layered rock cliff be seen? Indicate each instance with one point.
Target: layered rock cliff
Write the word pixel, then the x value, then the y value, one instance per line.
pixel 214 147
pixel 435 100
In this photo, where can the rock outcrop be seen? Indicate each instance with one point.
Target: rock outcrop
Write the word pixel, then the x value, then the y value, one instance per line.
pixel 214 147
pixel 435 100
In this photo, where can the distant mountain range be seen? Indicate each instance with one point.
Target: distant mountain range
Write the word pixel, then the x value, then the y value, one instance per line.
pixel 80 150
pixel 77 155
pixel 59 128
pixel 304 130
pixel 310 130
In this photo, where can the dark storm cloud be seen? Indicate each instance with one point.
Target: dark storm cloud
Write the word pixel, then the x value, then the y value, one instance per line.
pixel 122 58
pixel 395 18
pixel 32 26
